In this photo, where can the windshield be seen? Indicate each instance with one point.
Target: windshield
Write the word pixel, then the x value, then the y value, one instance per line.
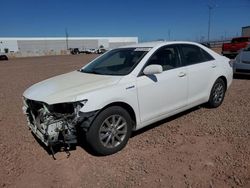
pixel 119 61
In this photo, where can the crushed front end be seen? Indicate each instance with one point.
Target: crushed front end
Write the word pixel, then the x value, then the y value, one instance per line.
pixel 57 123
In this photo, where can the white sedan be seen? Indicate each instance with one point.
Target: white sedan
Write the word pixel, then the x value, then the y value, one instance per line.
pixel 124 90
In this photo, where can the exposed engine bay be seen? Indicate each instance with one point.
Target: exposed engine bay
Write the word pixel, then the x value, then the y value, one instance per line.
pixel 57 123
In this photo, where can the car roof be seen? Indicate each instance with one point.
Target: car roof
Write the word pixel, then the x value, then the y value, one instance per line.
pixel 157 44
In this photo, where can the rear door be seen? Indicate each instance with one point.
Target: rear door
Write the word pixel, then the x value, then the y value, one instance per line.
pixel 200 69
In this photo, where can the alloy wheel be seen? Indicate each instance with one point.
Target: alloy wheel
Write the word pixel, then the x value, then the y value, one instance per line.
pixel 218 93
pixel 113 131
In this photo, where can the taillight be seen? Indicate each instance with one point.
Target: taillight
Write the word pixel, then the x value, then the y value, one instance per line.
pixel 231 62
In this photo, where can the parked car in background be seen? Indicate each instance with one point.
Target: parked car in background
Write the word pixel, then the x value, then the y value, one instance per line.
pixel 3 56
pixel 125 90
pixel 91 51
pixel 101 50
pixel 233 48
pixel 74 51
pixel 241 64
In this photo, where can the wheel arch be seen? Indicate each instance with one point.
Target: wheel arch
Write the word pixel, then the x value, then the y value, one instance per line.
pixel 125 106
pixel 224 80
pixel 210 87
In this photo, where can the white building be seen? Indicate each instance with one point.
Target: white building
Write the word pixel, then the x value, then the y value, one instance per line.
pixel 245 31
pixel 58 45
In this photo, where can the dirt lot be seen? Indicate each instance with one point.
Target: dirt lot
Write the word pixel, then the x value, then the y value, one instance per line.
pixel 199 148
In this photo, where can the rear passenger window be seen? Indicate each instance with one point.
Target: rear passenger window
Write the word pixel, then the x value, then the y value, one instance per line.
pixel 206 56
pixel 194 54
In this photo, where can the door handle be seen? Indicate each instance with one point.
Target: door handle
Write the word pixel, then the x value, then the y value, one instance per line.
pixel 213 66
pixel 182 74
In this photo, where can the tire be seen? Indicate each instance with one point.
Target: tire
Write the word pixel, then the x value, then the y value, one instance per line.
pixel 217 93
pixel 6 58
pixel 110 131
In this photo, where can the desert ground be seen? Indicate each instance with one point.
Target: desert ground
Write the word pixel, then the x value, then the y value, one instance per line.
pixel 198 148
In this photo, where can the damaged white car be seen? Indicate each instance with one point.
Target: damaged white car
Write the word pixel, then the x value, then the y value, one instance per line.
pixel 123 90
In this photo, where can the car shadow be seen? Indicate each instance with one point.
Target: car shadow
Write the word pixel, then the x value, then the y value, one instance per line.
pixel 82 141
pixel 84 145
pixel 56 148
pixel 241 77
pixel 61 147
pixel 166 120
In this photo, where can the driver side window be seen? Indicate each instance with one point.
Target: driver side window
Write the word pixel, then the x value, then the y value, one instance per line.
pixel 166 56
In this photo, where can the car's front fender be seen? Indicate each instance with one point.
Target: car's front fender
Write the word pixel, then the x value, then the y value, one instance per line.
pixel 98 99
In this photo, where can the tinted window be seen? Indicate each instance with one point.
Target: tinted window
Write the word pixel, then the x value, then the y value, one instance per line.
pixel 206 56
pixel 167 57
pixel 193 54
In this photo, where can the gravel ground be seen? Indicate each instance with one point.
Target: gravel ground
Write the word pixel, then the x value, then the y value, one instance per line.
pixel 198 148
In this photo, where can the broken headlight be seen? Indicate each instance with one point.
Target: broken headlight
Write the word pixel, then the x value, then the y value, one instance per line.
pixel 66 108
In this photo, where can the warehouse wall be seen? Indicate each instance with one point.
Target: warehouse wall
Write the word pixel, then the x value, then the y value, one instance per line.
pixel 11 45
pixel 117 44
pixel 83 44
pixel 21 47
pixel 246 31
pixel 41 46
pixel 103 42
pixel 54 45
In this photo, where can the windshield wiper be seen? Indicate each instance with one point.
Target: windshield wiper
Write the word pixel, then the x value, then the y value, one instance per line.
pixel 90 72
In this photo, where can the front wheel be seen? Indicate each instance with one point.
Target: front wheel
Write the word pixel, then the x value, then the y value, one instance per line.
pixel 217 93
pixel 110 131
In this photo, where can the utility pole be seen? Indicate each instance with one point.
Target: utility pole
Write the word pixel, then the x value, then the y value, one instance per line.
pixel 169 34
pixel 211 6
pixel 67 38
pixel 209 22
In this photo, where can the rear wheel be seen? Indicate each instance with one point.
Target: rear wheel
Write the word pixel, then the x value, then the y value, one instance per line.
pixel 217 93
pixel 110 131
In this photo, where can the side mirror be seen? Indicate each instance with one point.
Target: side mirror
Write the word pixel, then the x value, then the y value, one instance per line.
pixel 152 69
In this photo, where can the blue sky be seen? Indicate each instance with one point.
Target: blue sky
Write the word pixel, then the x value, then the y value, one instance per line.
pixel 147 19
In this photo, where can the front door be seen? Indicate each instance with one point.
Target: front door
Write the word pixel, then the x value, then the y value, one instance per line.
pixel 166 92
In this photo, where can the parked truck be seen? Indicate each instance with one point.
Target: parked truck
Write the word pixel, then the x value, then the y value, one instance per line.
pixel 233 48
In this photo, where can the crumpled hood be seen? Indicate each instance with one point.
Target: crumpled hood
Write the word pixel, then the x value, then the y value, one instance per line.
pixel 66 87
